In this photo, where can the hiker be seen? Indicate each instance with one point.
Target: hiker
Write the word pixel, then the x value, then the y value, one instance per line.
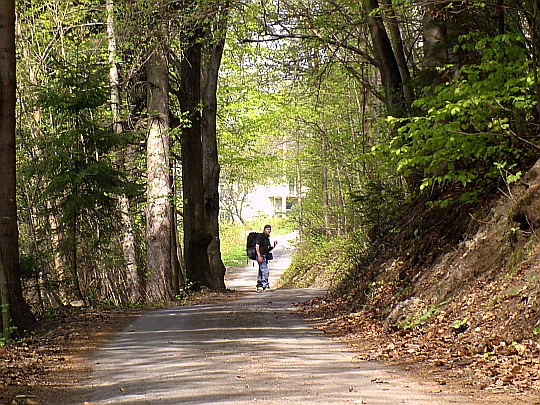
pixel 263 248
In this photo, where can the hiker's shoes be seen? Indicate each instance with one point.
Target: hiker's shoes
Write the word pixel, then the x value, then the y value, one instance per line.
pixel 259 289
pixel 267 289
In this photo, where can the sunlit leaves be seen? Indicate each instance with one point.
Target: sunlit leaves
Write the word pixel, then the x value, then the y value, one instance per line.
pixel 473 122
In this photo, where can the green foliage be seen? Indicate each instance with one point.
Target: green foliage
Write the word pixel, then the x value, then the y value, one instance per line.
pixel 235 255
pixel 28 265
pixel 76 157
pixel 459 325
pixel 70 180
pixel 379 204
pixel 11 329
pixel 233 244
pixel 413 323
pixel 251 127
pixel 289 120
pixel 280 226
pixel 324 262
pixel 471 125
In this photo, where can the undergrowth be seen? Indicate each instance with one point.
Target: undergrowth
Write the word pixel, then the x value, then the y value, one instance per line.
pixel 323 262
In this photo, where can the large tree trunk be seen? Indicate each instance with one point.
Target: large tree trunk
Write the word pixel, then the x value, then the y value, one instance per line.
pixel 9 235
pixel 210 70
pixel 388 65
pixel 128 243
pixel 196 237
pixel 434 36
pixel 158 214
pixel 442 25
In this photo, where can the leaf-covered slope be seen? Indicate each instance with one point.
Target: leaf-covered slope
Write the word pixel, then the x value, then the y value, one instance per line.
pixel 454 293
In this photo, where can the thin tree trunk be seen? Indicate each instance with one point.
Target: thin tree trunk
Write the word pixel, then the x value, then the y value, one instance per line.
pixel 9 234
pixel 299 187
pixel 24 49
pixel 499 16
pixel 55 298
pixel 179 279
pixel 158 214
pixel 74 262
pixel 324 181
pixel 128 243
pixel 536 48
pixel 339 187
pixel 59 260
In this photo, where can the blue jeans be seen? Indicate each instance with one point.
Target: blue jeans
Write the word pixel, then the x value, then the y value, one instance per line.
pixel 264 273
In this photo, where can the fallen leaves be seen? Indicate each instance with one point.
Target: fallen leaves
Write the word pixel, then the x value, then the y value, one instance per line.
pixel 470 358
pixel 37 363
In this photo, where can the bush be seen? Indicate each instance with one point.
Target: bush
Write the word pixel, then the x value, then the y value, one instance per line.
pixel 472 128
pixel 323 262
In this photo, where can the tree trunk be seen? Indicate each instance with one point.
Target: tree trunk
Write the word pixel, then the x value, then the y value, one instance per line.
pixel 158 214
pixel 9 235
pixel 60 261
pixel 324 188
pixel 535 40
pixel 176 266
pixel 74 283
pixel 388 66
pixel 210 70
pixel 196 237
pixel 499 16
pixel 399 52
pixel 128 243
pixel 4 301
pixel 178 271
pixel 298 168
pixel 434 32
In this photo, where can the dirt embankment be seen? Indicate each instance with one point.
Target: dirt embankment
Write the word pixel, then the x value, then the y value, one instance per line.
pixel 457 300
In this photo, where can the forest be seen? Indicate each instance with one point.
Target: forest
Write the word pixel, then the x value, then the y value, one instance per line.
pixel 132 131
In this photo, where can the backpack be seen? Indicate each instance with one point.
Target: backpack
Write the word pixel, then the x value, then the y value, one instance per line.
pixel 250 245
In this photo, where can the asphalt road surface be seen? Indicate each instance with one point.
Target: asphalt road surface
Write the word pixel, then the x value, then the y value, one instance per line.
pixel 253 350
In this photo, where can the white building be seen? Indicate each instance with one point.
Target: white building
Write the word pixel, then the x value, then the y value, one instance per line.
pixel 269 200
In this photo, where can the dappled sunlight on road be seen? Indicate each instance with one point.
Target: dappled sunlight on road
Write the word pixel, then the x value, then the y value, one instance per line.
pixel 252 349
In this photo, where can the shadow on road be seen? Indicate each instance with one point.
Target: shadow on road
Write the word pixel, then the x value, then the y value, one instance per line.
pixel 245 351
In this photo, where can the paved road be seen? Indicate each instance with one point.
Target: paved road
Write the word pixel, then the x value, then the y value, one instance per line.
pixel 252 350
pixel 245 278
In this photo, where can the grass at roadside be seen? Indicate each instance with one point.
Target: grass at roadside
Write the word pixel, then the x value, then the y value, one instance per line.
pixel 323 262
